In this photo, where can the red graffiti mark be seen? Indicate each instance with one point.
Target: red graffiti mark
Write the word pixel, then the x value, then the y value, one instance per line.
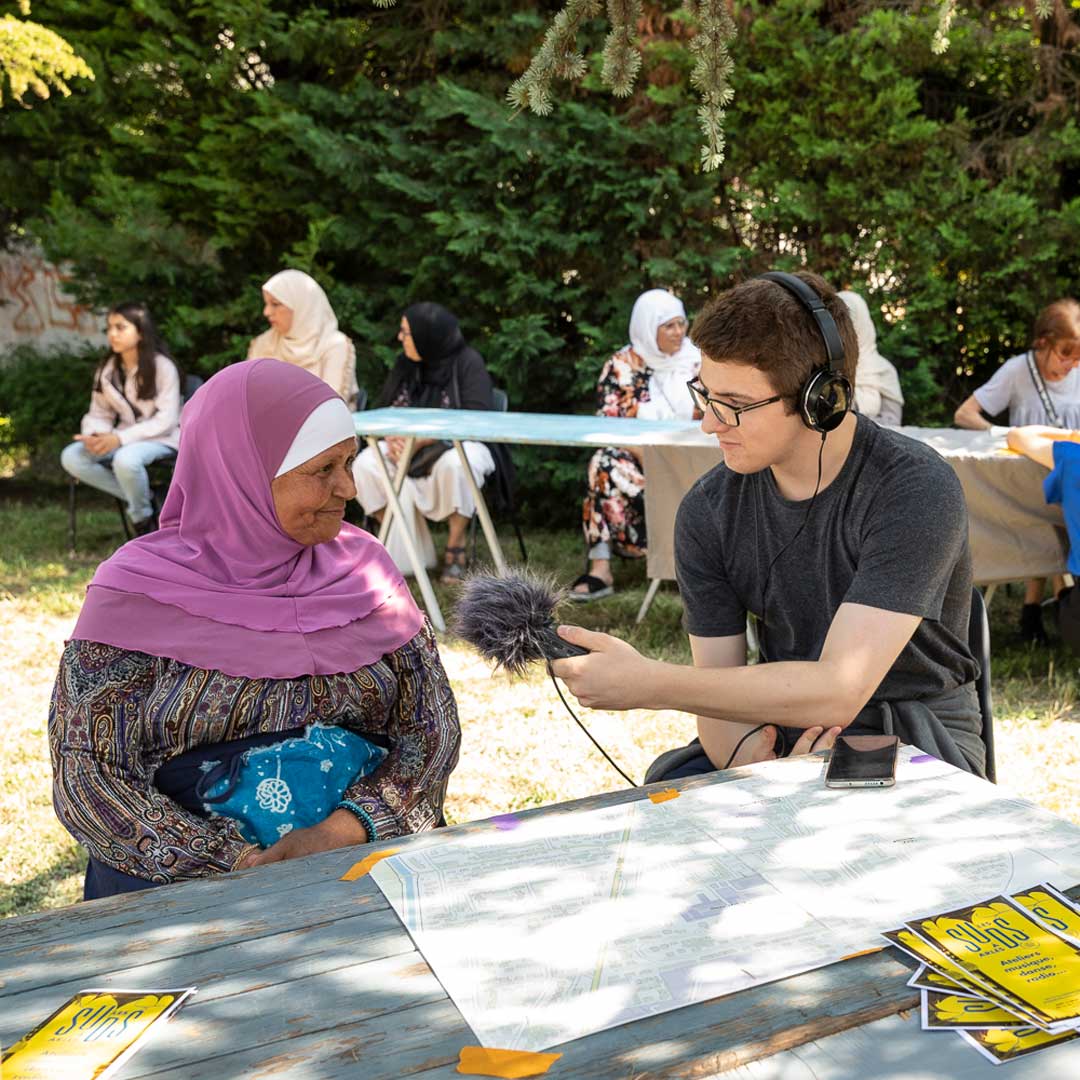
pixel 35 288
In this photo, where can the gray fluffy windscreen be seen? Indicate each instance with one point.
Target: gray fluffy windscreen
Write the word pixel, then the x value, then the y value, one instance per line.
pixel 507 617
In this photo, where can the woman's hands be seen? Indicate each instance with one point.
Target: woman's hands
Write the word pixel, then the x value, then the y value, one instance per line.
pixel 395 446
pixel 100 445
pixel 340 829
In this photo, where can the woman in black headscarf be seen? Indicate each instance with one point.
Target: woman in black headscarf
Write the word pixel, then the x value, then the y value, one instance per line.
pixel 437 369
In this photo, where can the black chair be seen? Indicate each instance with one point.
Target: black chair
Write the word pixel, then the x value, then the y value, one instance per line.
pixel 978 643
pixel 501 488
pixel 160 473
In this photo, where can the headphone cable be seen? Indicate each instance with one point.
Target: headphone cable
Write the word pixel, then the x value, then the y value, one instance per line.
pixel 798 531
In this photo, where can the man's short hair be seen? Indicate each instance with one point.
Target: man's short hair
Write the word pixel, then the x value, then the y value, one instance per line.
pixel 761 324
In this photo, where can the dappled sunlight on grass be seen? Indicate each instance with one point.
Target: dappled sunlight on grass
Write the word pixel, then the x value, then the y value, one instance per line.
pixel 520 749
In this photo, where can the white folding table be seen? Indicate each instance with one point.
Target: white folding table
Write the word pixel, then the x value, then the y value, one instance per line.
pixel 472 425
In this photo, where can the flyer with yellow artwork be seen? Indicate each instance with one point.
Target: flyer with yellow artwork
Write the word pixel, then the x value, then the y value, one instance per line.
pixel 937 961
pixel 1053 909
pixel 1000 1045
pixel 956 1012
pixel 927 978
pixel 90 1036
pixel 999 943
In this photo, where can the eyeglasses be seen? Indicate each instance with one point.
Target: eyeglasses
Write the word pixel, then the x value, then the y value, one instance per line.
pixel 1068 349
pixel 725 413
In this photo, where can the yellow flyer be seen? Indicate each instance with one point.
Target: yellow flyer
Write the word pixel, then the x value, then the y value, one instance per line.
pixel 90 1036
pixel 939 962
pixel 927 978
pixel 997 942
pixel 1053 909
pixel 1000 1045
pixel 955 1012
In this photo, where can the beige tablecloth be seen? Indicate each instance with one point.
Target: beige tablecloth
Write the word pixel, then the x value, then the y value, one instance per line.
pixel 1014 534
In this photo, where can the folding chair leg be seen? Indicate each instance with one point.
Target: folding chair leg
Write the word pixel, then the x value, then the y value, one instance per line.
pixel 654 586
pixel 72 491
pixel 520 538
pixel 125 524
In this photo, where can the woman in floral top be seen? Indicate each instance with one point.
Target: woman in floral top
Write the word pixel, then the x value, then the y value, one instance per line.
pixel 645 379
pixel 251 615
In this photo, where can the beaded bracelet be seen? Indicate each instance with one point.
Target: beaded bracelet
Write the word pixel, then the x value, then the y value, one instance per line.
pixel 362 816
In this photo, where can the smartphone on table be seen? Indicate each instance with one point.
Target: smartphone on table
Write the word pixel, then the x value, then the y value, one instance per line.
pixel 863 761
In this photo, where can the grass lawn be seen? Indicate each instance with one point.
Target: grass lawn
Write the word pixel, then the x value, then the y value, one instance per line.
pixel 519 747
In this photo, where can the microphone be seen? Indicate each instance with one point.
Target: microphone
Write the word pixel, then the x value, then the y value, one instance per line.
pixel 510 618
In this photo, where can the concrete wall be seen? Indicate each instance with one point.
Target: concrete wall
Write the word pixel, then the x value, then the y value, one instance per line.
pixel 34 308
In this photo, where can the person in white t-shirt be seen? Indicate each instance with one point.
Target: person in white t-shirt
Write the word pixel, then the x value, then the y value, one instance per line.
pixel 1040 386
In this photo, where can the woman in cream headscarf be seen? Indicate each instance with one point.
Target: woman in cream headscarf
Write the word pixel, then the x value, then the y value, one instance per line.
pixel 645 379
pixel 877 386
pixel 304 331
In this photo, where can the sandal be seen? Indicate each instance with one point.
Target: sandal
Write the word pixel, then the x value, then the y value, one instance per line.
pixel 597 588
pixel 454 566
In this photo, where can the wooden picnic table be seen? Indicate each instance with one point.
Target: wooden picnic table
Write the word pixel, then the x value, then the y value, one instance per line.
pixel 302 975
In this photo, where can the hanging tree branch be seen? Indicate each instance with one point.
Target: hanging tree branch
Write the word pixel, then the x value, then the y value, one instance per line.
pixel 712 74
pixel 622 57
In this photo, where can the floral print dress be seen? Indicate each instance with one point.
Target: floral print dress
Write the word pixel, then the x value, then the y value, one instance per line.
pixel 614 508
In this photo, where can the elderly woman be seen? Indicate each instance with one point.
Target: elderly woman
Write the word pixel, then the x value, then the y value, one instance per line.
pixel 1042 387
pixel 254 626
pixel 437 369
pixel 304 331
pixel 646 379
pixel 877 386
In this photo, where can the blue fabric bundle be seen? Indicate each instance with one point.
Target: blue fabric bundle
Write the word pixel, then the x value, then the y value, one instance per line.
pixel 271 790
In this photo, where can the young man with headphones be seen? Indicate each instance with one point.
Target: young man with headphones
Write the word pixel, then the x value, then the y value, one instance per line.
pixel 847 541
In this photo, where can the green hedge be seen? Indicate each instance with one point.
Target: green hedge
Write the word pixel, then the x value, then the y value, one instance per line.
pixel 373 148
pixel 43 396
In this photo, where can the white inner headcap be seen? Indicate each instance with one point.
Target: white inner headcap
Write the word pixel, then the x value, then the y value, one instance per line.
pixel 326 426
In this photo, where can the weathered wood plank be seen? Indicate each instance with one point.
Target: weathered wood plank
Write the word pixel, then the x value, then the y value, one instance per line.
pixel 387 1047
pixel 155 939
pixel 234 969
pixel 266 1020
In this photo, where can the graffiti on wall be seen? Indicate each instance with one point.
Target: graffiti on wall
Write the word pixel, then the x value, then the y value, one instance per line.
pixel 34 309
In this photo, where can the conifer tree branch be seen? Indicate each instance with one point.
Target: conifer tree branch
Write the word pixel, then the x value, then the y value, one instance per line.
pixel 712 75
pixel 558 57
pixel 946 14
pixel 622 58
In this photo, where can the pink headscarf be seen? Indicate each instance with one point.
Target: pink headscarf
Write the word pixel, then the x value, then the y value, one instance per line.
pixel 220 585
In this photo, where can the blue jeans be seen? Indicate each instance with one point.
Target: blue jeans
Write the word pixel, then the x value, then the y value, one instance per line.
pixel 121 474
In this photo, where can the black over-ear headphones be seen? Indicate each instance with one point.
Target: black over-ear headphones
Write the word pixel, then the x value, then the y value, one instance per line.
pixel 825 397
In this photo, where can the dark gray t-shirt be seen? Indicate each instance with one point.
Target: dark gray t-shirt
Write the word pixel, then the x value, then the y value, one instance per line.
pixel 889 532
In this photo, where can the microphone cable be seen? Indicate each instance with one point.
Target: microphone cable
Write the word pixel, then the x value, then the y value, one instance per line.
pixel 607 756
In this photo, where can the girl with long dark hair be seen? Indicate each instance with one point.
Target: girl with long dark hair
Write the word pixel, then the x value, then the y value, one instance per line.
pixel 134 416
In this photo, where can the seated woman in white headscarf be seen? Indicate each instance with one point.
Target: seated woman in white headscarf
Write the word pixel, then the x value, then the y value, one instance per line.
pixel 877 386
pixel 645 379
pixel 304 331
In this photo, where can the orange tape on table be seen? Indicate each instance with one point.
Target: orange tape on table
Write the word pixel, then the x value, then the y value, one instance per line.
pixel 482 1061
pixel 358 870
pixel 663 796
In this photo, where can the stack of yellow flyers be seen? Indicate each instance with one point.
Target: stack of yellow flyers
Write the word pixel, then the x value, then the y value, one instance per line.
pixel 90 1036
pixel 1004 973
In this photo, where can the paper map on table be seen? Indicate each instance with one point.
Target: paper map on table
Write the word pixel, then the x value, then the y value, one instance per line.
pixel 570 923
